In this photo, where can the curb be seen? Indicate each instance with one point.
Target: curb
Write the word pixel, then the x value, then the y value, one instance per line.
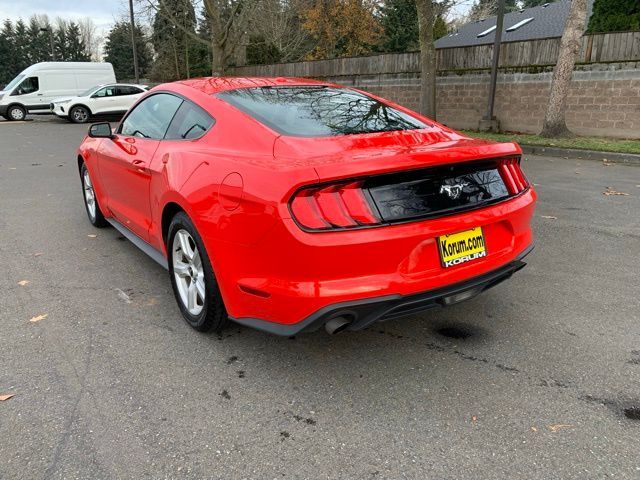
pixel 627 158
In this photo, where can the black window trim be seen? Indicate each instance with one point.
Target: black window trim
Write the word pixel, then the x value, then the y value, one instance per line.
pixel 213 122
pixel 133 87
pixel 175 94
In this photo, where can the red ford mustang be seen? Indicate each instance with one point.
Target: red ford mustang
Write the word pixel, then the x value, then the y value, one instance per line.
pixel 288 205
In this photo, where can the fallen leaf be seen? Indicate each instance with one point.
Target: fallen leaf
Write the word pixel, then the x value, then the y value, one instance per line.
pixel 123 296
pixel 534 429
pixel 12 168
pixel 560 426
pixel 92 235
pixel 6 396
pixel 39 317
pixel 550 217
pixel 577 173
pixel 37 254
pixel 610 191
pixel 474 419
pixel 22 283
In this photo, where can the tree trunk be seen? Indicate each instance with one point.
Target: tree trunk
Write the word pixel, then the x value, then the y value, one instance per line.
pixel 426 20
pixel 217 59
pixel 186 56
pixel 554 119
pixel 177 62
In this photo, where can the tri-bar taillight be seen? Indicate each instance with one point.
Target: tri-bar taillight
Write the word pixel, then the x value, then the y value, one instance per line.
pixel 342 205
pixel 512 175
pixel 407 195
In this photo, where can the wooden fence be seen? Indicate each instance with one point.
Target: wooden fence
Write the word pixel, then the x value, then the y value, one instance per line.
pixel 596 48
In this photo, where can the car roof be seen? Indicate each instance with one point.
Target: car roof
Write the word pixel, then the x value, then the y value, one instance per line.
pixel 212 85
pixel 120 85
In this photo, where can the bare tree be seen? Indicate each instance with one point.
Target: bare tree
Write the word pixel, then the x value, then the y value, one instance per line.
pixel 426 19
pixel 279 22
pixel 227 21
pixel 554 120
pixel 90 38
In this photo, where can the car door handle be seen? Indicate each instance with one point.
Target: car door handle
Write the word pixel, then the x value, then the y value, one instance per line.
pixel 40 94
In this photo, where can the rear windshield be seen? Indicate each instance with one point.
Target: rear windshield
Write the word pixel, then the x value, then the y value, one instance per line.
pixel 318 111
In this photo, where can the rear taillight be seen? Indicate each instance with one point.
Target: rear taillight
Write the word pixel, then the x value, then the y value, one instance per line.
pixel 338 206
pixel 512 175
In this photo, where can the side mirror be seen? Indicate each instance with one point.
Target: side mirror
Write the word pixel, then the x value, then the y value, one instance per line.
pixel 100 130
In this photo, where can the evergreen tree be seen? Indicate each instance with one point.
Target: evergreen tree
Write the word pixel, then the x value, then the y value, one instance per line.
pixel 119 53
pixel 75 48
pixel 200 54
pixel 39 47
pixel 171 42
pixel 440 28
pixel 21 46
pixel 615 16
pixel 261 52
pixel 399 19
pixel 60 41
pixel 8 64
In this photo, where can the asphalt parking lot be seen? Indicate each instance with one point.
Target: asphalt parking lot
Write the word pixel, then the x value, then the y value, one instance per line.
pixel 537 378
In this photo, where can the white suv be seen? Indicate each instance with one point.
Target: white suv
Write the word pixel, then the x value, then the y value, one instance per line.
pixel 112 99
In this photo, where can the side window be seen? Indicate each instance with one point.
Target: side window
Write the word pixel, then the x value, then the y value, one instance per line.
pixel 127 90
pixel 151 117
pixel 105 92
pixel 28 85
pixel 190 122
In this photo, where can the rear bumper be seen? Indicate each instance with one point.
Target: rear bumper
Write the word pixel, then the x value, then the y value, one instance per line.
pixel 363 313
pixel 290 275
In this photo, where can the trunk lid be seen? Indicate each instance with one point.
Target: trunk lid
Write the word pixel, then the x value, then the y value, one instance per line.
pixel 349 156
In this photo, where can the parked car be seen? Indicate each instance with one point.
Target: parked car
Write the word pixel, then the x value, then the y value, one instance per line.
pixel 34 88
pixel 113 99
pixel 288 205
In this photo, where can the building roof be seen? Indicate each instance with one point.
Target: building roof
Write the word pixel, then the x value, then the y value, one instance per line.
pixel 548 22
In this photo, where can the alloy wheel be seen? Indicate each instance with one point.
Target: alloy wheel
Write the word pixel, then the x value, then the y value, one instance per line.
pixel 188 272
pixel 89 194
pixel 80 115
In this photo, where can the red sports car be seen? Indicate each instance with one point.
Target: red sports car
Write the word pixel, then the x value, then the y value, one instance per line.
pixel 287 204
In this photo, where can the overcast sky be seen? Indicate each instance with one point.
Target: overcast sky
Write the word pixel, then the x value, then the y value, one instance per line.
pixel 102 12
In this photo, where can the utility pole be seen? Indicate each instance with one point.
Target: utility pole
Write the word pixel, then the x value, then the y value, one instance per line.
pixel 133 43
pixel 53 50
pixel 489 122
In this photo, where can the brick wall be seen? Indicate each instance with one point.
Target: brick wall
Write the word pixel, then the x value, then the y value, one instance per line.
pixel 603 102
pixel 604 99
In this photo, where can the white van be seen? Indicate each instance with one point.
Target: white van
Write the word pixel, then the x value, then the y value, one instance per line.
pixel 35 88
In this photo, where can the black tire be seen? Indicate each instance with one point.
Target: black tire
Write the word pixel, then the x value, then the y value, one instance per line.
pixel 97 220
pixel 79 114
pixel 213 315
pixel 16 113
